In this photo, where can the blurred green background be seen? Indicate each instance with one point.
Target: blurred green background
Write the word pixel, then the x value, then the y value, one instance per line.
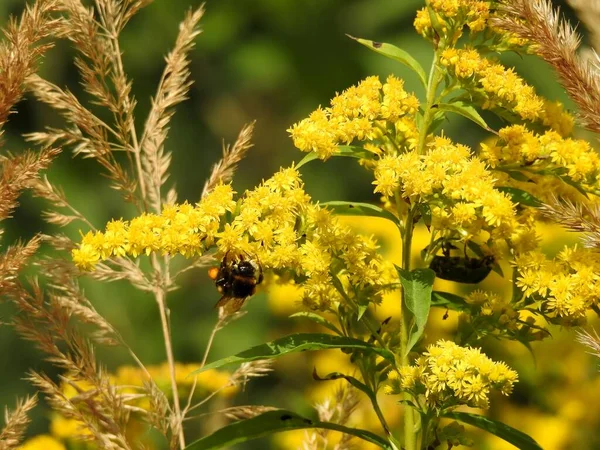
pixel 272 61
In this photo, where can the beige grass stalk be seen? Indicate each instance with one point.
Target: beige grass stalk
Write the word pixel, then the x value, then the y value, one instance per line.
pixel 223 171
pixel 576 217
pixel 15 423
pixel 557 42
pixel 153 165
pixel 588 12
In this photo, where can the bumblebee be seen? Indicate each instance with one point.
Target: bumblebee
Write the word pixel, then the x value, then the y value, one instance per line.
pixel 462 269
pixel 236 279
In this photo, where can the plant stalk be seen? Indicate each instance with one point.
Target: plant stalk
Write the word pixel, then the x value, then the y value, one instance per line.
pixel 409 418
pixel 164 319
pixel 435 76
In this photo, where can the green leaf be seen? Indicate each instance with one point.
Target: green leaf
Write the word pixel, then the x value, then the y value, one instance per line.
pixel 520 196
pixel 348 151
pixel 317 319
pixel 417 285
pixel 395 53
pixel 353 381
pixel 503 431
pixel 436 122
pixel 295 343
pixel 574 184
pixel 425 211
pixel 448 300
pixel 359 209
pixel 274 422
pixel 516 175
pixel 362 309
pixel 465 110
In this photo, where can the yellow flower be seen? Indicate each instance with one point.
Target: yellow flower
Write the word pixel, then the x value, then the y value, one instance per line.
pixel 359 113
pixel 565 284
pixel 452 16
pixel 64 428
pixel 276 224
pixel 450 375
pixel 501 87
pixel 42 442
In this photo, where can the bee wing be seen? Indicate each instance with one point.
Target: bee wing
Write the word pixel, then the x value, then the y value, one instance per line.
pixel 232 304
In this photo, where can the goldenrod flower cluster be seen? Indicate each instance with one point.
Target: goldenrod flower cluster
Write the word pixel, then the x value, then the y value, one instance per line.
pixel 278 224
pixel 452 16
pixel 563 288
pixel 448 375
pixel 544 154
pixel 497 86
pixel 492 305
pixel 275 223
pixel 42 442
pixel 493 314
pixel 185 229
pixel 360 112
pixel 457 186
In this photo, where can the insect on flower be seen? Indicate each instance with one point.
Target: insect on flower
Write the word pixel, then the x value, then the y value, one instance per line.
pixel 462 269
pixel 236 279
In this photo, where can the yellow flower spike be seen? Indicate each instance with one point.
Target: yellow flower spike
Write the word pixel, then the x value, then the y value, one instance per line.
pixel 359 113
pixel 42 442
pixel 502 87
pixel 451 375
pixel 64 428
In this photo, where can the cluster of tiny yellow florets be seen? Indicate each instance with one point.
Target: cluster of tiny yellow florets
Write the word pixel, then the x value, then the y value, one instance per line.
pixel 493 314
pixel 498 86
pixel 361 113
pixel 457 186
pixel 448 375
pixel 180 229
pixel 495 307
pixel 444 21
pixel 544 154
pixel 452 16
pixel 563 288
pixel 279 225
pixel 275 223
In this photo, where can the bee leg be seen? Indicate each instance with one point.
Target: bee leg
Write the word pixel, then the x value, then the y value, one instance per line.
pixel 230 304
pixel 236 304
pixel 222 302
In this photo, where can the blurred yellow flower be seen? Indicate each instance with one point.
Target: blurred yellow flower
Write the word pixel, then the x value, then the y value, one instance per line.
pixel 42 442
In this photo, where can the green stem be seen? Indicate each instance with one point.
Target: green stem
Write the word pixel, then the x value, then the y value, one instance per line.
pixel 409 417
pixel 372 394
pixel 435 76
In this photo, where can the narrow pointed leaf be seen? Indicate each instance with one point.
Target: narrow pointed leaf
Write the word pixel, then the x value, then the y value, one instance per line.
pixel 353 381
pixel 418 285
pixel 317 319
pixel 359 209
pixel 574 184
pixel 275 422
pixel 296 343
pixel 395 53
pixel 503 431
pixel 520 196
pixel 448 300
pixel 425 211
pixel 465 110
pixel 348 151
